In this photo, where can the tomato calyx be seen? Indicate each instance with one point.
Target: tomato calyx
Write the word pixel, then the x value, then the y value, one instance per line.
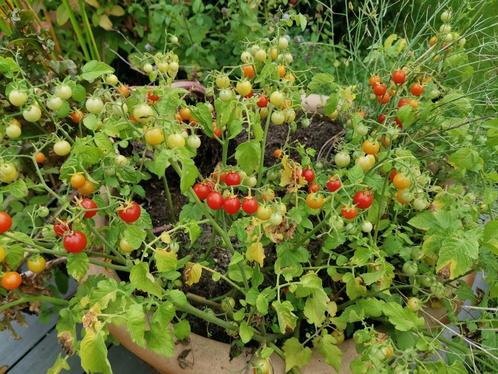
pixel 129 212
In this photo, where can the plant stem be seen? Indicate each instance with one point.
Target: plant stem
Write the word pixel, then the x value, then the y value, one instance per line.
pixel 106 243
pixel 202 300
pixel 169 199
pixel 27 299
pixel 110 266
pixel 263 143
pixel 89 33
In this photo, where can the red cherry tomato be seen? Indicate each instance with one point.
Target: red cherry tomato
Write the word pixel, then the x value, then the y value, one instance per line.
pixel 90 207
pixel 384 99
pixel 308 174
pixel 11 280
pixel 217 132
pixel 75 242
pixel 214 200
pixel 262 101
pixel 380 89
pixel 60 228
pixel 313 187
pixel 202 190
pixel 363 199
pixel 349 212
pixel 417 89
pixel 398 76
pixel 232 179
pixel 334 183
pixel 381 118
pixel 130 213
pixel 250 205
pixel 152 98
pixel 403 101
pixel 231 205
pixel 392 174
pixel 5 222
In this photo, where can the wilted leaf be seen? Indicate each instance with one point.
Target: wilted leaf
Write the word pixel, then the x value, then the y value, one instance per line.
pixel 192 273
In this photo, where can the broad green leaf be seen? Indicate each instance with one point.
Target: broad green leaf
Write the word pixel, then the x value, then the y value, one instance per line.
pixel 490 236
pixel 90 121
pixel 15 255
pixel 248 156
pixel 466 159
pixel 160 340
pixel 331 105
pixel 315 307
pixel 95 69
pixel 406 115
pixel 93 353
pixel 182 329
pixel 354 286
pixel 165 260
pixel 194 231
pixel 203 116
pixel 135 323
pixel 322 83
pixel 134 235
pixel 189 174
pixel 77 265
pixel 246 332
pixel 160 162
pixel 296 355
pixel 286 318
pixel 423 221
pixel 403 319
pixel 327 346
pixel 141 279
pixel 457 254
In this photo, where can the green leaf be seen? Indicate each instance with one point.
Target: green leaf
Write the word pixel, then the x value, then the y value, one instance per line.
pixel 286 319
pixel 403 319
pixel 165 260
pixel 331 105
pixel 490 236
pixel 15 255
pixel 189 174
pixel 17 189
pixel 103 143
pixel 315 307
pixel 203 116
pixel 327 346
pixel 93 353
pixel 134 235
pixel 262 304
pixel 177 297
pixel 322 83
pixel 406 115
pixel 135 323
pixel 466 159
pixel 141 279
pixel 182 330
pixel 160 340
pixel 458 252
pixel 61 14
pixel 59 365
pixel 354 287
pixel 194 231
pixel 246 332
pixel 296 355
pixel 90 121
pixel 160 162
pixel 248 156
pixel 77 265
pixel 95 69
pixel 423 221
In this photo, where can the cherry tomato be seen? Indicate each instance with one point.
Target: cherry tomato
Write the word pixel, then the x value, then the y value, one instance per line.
pixel 392 174
pixel 248 71
pixel 401 181
pixel 18 97
pixel 262 101
pixel 214 200
pixel 232 179
pixel 370 147
pixel 366 162
pixel 414 304
pixel 277 153
pixel 193 141
pixel 313 187
pixel 11 280
pixel 384 99
pixel 417 89
pixel 373 80
pixel 94 105
pixel 349 212
pixel 315 201
pixel 60 228
pixel 8 172
pixel 40 158
pixel 381 118
pixel 154 136
pixel 125 246
pixel 231 205
pixel 151 98
pixel 264 212
pixel 403 101
pixel 334 183
pixel 342 159
pixel 398 76
pixel 398 123
pixel 36 264
pixel 62 148
pixel 63 91
pixel 76 116
pixel 380 89
pixel 277 98
pixel 278 117
pixel 250 205
pixel 5 222
pixel 308 174
pixel 404 196
pixel 32 113
pixel 87 189
pixel 90 207
pixel 186 114
pixel 217 132
pixel 77 180
pixel 124 90
pixel 243 88
pixel 75 242
pixel 201 190
pixel 130 212
pixel 363 199
pixel 410 268
pixel 222 81
pixel 175 141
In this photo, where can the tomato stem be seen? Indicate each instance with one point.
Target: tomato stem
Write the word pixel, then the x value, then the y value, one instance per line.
pixel 27 299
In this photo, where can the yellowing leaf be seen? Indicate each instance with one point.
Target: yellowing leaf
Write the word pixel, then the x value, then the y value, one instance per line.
pixel 93 3
pixel 291 176
pixel 255 252
pixel 165 260
pixel 296 355
pixel 117 11
pixel 192 274
pixel 105 22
